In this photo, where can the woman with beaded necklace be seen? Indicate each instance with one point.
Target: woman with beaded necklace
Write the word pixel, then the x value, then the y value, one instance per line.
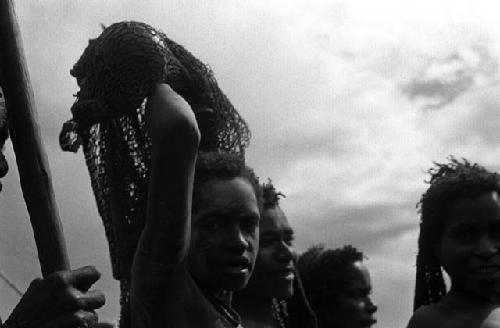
pixel 263 302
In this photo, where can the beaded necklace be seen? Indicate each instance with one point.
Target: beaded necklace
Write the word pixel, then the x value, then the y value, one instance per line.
pixel 224 310
pixel 280 313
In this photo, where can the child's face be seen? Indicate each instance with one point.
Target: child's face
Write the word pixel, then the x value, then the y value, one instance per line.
pixel 353 307
pixel 225 234
pixel 469 247
pixel 274 269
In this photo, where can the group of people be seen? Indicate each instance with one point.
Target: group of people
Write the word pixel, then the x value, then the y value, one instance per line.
pixel 214 248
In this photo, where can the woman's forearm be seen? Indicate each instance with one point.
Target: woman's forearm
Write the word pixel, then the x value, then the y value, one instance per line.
pixel 175 138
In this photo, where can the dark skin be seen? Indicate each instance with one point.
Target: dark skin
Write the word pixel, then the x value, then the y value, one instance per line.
pixel 183 258
pixel 469 251
pixel 274 271
pixel 224 235
pixel 61 300
pixel 353 306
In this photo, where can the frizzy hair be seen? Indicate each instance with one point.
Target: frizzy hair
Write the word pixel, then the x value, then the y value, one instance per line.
pixel 270 195
pixel 448 182
pixel 321 278
pixel 211 165
pixel 322 272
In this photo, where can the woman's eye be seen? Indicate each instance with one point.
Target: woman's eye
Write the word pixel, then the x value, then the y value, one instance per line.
pixel 249 226
pixel 465 235
pixel 266 242
pixel 495 233
pixel 211 225
pixel 356 294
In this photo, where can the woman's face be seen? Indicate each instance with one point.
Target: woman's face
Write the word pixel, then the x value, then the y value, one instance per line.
pixel 469 250
pixel 353 307
pixel 274 269
pixel 224 234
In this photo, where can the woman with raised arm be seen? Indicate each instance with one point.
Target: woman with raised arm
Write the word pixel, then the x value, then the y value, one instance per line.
pixel 189 260
pixel 134 118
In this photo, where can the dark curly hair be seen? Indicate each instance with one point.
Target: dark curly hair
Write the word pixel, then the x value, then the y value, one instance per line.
pixel 270 195
pixel 323 272
pixel 448 182
pixel 225 166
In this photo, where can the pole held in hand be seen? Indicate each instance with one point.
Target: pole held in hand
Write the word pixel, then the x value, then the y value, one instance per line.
pixel 31 158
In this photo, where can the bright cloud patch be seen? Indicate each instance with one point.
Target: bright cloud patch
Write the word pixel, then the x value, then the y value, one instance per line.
pixel 443 80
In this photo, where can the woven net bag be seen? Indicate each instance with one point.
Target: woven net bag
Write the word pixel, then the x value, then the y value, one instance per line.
pixel 116 73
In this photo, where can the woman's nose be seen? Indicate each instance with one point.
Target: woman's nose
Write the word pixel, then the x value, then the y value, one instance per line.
pixel 235 240
pixel 286 252
pixel 486 247
pixel 371 307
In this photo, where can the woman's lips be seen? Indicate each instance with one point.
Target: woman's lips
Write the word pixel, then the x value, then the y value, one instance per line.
pixel 236 270
pixel 287 273
pixel 239 265
pixel 370 322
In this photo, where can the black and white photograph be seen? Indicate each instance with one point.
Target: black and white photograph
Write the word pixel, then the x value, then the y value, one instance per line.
pixel 272 164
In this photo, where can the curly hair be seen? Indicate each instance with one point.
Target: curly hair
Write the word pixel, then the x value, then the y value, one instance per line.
pixel 270 195
pixel 448 182
pixel 225 166
pixel 323 272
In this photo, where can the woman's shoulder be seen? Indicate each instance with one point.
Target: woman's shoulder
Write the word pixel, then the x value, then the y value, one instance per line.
pixel 440 315
pixel 428 317
pixel 492 319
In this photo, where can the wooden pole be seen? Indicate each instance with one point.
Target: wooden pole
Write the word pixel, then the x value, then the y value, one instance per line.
pixel 31 158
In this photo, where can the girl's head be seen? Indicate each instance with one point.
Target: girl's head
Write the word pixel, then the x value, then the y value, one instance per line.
pixel 225 222
pixel 459 231
pixel 338 286
pixel 274 269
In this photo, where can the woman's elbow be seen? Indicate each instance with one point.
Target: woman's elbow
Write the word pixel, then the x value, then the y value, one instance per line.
pixel 170 116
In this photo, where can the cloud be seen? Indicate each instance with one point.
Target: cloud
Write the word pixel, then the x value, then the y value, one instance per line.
pixel 367 226
pixel 480 123
pixel 466 128
pixel 442 81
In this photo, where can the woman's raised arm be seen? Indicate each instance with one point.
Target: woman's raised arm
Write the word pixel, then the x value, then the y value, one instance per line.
pixel 175 137
pixel 164 242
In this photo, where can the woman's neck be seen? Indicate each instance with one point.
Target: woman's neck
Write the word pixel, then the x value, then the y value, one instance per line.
pixel 255 311
pixel 458 297
pixel 252 302
pixel 223 295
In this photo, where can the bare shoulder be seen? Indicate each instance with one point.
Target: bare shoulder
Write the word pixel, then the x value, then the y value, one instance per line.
pixel 428 317
pixel 493 319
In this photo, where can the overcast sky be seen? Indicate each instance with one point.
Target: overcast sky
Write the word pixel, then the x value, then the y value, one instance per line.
pixel 349 102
